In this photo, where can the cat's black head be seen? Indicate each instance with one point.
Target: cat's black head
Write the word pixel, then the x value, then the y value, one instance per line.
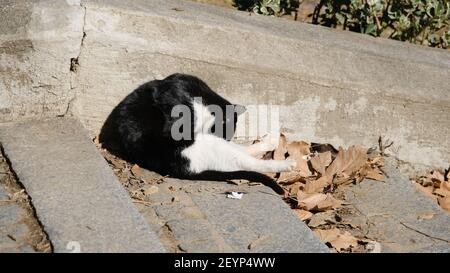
pixel 225 124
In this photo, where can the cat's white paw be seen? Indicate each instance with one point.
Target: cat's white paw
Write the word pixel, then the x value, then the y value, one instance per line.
pixel 291 164
pixel 283 165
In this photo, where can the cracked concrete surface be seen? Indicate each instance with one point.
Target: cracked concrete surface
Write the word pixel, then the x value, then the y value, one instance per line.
pixel 37 41
pixel 391 212
pixel 196 216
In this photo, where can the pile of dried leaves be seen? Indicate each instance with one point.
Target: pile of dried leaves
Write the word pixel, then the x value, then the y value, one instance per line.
pixel 314 188
pixel 437 186
pixel 139 182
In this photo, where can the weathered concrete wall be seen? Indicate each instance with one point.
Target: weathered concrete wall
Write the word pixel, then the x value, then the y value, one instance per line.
pixel 37 41
pixel 331 86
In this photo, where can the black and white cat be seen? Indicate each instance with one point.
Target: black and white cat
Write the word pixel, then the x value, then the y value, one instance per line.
pixel 142 126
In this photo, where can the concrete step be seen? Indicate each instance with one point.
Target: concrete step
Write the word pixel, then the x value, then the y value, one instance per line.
pixel 77 197
pixel 79 201
pixel 197 216
pixel 399 216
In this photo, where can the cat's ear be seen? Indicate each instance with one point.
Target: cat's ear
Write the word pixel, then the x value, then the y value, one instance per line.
pixel 239 109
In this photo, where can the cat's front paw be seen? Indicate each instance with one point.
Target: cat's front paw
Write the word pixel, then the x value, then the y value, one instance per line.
pixel 284 165
pixel 290 165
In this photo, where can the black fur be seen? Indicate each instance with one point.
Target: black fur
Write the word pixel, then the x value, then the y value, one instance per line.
pixel 139 128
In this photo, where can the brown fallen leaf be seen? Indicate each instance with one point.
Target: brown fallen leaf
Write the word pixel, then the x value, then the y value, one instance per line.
pixel 320 161
pixel 375 175
pixel 348 161
pixel 318 185
pixel 377 160
pixel 281 150
pixel 289 177
pixel 445 185
pixel 441 192
pixel 317 201
pixel 302 165
pixel 298 148
pixel 322 218
pixel 444 202
pixel 136 170
pixel 303 214
pixel 342 179
pixel 309 201
pixel 329 203
pixel 437 176
pixel 339 240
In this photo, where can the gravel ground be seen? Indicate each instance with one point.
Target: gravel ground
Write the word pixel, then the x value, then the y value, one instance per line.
pixel 20 231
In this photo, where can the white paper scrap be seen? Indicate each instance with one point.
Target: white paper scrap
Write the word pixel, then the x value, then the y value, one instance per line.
pixel 235 195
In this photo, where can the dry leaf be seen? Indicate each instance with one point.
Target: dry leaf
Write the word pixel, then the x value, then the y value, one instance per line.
pixel 289 177
pixel 321 161
pixel 445 185
pixel 303 214
pixel 309 201
pixel 338 240
pixel 317 201
pixel 317 185
pixel 302 165
pixel 375 175
pixel 280 151
pixel 444 202
pixel 377 160
pixel 348 161
pixel 436 175
pixel 322 218
pixel 329 203
pixel 442 192
pixel 136 170
pixel 297 148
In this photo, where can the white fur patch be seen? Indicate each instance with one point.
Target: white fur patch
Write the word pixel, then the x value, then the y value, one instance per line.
pixel 204 120
pixel 211 153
